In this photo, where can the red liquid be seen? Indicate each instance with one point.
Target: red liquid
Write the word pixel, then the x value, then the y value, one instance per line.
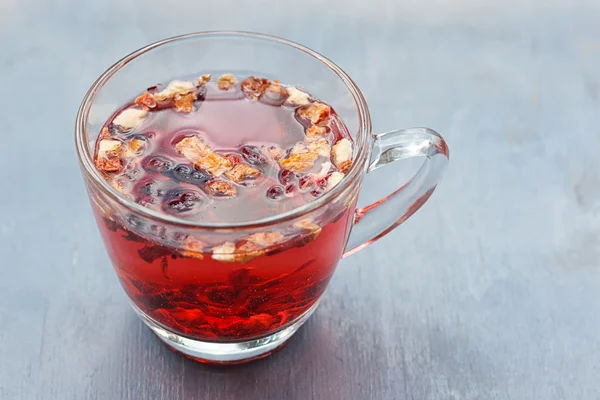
pixel 211 300
pixel 194 294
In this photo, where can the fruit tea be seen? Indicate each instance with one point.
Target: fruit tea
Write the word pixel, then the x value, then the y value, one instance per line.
pixel 227 150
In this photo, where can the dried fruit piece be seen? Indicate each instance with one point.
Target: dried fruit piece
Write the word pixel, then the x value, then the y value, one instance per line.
pixel 226 81
pixel 249 248
pixel 254 245
pixel 296 96
pixel 193 249
pixel 146 100
pixel 315 132
pixel 233 157
pixel 345 166
pixel 130 117
pixel 203 80
pixel 299 162
pixel 316 113
pixel 224 252
pixel 193 148
pixel 178 94
pixel 220 188
pixel 333 180
pixel 184 102
pixel 248 251
pixel 214 163
pixel 241 172
pixel 303 152
pixel 321 147
pixel 299 148
pixel 108 147
pixel 173 88
pixel 341 155
pixel 107 159
pixel 134 148
pixel 307 224
pixel 112 164
pixel 265 239
pixel 255 87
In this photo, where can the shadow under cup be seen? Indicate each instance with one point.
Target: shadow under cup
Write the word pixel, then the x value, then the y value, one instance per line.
pixel 244 308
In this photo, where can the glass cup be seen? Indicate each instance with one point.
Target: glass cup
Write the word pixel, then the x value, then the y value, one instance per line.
pixel 201 299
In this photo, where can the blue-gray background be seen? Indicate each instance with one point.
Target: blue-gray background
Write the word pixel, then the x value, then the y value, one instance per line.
pixel 489 292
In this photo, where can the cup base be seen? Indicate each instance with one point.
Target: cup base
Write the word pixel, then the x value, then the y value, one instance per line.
pixel 225 353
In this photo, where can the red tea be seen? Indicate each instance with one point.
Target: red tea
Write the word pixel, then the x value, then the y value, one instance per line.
pixel 229 150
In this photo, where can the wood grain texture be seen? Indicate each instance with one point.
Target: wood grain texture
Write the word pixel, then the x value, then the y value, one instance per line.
pixel 489 292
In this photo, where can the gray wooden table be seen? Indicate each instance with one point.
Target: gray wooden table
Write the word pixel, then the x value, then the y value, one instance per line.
pixel 489 292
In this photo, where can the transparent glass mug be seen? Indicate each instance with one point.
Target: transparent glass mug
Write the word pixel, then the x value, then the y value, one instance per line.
pixel 223 308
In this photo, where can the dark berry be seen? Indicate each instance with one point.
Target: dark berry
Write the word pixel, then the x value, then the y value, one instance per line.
pixel 157 164
pixel 185 173
pixel 181 201
pixel 181 173
pixel 275 192
pixel 286 176
pixel 199 177
pixel 290 189
pixel 253 155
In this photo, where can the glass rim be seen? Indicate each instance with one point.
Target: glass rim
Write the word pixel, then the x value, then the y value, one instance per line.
pixel 87 162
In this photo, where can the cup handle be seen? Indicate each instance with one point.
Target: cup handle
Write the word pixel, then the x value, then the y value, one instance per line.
pixel 377 219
